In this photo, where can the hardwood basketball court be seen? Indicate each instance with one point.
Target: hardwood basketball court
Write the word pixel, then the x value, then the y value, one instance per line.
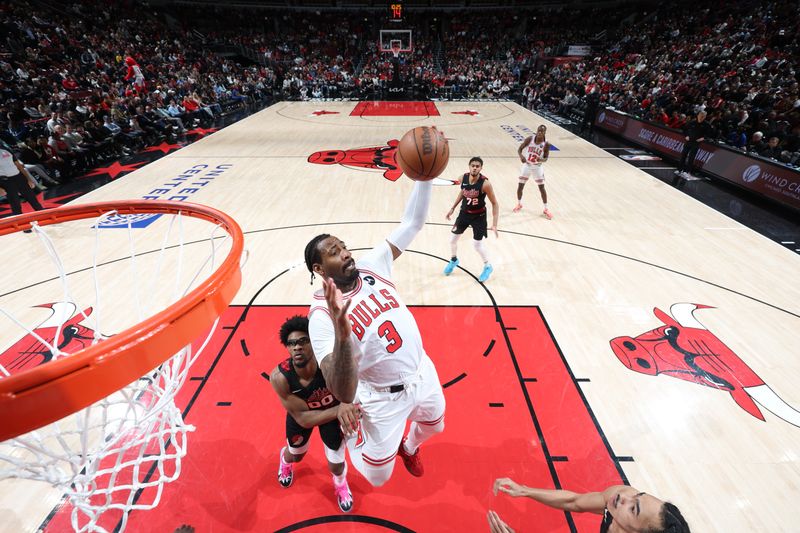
pixel 536 389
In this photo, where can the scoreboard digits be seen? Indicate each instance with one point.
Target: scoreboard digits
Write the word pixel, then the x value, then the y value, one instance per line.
pixel 396 11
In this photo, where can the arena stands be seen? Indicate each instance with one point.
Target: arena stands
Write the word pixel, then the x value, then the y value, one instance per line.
pixel 73 66
pixel 70 95
pixel 737 61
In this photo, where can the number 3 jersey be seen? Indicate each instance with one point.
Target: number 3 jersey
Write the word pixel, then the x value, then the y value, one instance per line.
pixel 386 340
pixel 316 393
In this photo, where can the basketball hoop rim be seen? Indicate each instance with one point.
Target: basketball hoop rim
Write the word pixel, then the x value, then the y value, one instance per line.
pixel 49 392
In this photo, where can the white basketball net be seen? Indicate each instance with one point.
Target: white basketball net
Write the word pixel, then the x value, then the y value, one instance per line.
pixel 118 453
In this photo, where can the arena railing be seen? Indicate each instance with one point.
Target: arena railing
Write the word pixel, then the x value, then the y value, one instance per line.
pixel 768 178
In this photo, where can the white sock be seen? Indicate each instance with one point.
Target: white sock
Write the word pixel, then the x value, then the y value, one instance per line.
pixel 481 249
pixel 454 244
pixel 338 480
pixel 419 433
pixel 545 206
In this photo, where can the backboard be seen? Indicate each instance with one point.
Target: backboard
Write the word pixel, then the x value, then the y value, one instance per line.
pixel 387 37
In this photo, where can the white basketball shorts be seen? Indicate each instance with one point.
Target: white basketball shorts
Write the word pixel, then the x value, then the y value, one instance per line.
pixel 527 170
pixel 384 415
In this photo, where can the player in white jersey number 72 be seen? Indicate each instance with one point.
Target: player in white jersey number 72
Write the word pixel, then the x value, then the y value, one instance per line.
pixel 370 349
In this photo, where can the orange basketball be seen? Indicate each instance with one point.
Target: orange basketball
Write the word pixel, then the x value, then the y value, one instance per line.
pixel 423 153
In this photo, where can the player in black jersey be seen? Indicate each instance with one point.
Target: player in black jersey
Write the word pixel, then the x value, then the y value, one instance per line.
pixel 624 509
pixel 475 187
pixel 299 383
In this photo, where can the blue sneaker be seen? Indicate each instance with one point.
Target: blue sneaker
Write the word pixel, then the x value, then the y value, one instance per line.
pixel 450 267
pixel 485 273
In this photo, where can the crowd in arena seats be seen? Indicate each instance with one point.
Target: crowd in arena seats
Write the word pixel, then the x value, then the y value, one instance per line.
pixel 311 54
pixel 70 95
pixel 481 60
pixel 322 54
pixel 737 61
pixel 71 89
pixel 487 54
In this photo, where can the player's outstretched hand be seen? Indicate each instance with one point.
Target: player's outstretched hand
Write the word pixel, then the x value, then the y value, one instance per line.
pixel 522 158
pixel 338 307
pixel 509 486
pixel 496 524
pixel 449 214
pixel 494 229
pixel 348 415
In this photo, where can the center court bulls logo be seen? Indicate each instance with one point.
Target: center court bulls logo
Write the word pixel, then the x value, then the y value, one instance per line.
pixel 683 348
pixel 33 350
pixel 380 158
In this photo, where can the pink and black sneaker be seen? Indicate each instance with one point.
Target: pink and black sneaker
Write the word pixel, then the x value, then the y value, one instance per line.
pixel 343 496
pixel 285 471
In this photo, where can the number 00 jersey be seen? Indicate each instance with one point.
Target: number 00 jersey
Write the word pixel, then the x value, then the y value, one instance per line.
pixel 316 393
pixel 387 343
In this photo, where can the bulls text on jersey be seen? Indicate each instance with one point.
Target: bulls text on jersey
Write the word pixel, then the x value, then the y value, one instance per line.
pixel 536 152
pixel 368 309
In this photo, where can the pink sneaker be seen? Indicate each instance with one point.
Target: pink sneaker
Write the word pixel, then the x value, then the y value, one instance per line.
pixel 343 496
pixel 285 471
pixel 517 208
pixel 547 214
pixel 413 463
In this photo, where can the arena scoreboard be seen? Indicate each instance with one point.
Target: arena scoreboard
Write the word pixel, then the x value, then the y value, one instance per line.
pixel 396 11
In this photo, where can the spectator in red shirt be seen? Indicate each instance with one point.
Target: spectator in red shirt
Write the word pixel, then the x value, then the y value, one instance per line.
pixel 190 105
pixel 192 109
pixel 69 84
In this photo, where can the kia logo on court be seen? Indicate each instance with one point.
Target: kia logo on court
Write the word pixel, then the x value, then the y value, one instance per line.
pixel 602 117
pixel 751 173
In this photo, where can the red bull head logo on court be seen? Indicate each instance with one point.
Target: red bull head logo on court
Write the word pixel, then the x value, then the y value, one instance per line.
pixel 684 349
pixel 378 158
pixel 61 332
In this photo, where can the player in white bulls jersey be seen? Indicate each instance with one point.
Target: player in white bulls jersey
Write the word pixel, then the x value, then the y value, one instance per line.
pixel 370 349
pixel 533 152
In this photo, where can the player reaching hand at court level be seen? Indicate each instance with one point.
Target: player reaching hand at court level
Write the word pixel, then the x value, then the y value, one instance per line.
pixel 370 349
pixel 301 388
pixel 533 151
pixel 624 509
pixel 475 187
